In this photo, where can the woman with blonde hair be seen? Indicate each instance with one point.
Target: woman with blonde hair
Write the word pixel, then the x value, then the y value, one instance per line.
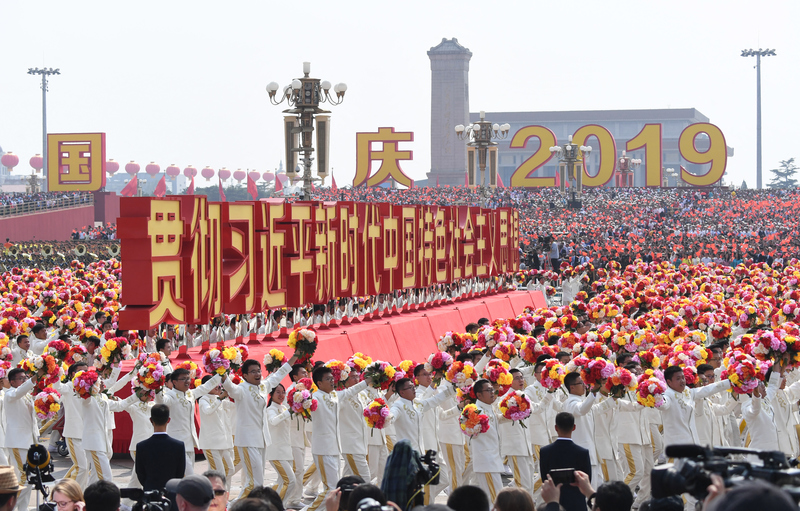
pixel 514 499
pixel 67 496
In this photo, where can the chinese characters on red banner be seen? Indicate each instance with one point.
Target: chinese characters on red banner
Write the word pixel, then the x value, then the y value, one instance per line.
pixel 187 260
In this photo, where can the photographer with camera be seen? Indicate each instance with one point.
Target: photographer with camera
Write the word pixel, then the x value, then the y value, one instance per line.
pixel 21 427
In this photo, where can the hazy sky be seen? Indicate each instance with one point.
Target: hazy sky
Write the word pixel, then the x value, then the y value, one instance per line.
pixel 184 81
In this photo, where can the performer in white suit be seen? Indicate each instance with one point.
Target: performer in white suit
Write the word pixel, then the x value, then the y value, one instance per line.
pixel 96 442
pixel 215 438
pixel 760 416
pixel 325 440
pixel 20 424
pixel 279 452
pixel 180 400
pixel 353 430
pixel 633 438
pixel 252 433
pixel 485 447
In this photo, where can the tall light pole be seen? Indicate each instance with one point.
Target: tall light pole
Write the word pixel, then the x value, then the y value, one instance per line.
pixel 45 72
pixel 571 156
pixel 758 54
pixel 480 135
pixel 305 95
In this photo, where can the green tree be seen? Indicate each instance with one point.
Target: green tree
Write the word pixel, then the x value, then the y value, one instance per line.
pixel 784 175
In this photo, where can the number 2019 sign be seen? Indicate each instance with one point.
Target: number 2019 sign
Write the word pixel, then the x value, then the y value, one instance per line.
pixel 649 139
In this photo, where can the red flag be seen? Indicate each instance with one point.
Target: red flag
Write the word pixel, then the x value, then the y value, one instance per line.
pixel 161 187
pixel 278 183
pixel 130 188
pixel 251 188
pixel 558 179
pixel 222 192
pixel 500 181
pixel 437 181
pixel 466 178
pixel 190 190
pixel 333 183
pixel 412 184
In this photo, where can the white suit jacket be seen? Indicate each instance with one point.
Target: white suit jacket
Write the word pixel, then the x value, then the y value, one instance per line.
pixel 485 447
pixel 140 417
pixel 581 408
pixel 633 426
pixel 280 426
pixel 406 416
pixel 430 423
pixel 449 425
pixel 678 412
pixel 20 417
pixel 251 409
pixel 325 440
pixel 353 428
pixel 95 411
pixel 214 429
pixel 181 411
pixel 760 419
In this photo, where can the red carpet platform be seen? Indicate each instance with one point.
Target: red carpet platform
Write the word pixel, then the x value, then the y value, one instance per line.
pixel 392 336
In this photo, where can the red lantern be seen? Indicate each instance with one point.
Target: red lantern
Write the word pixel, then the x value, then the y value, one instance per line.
pixel 37 162
pixel 173 170
pixel 190 172
pixel 224 174
pixel 207 173
pixel 111 167
pixel 152 169
pixel 132 168
pixel 239 175
pixel 9 160
pixel 268 177
pixel 254 176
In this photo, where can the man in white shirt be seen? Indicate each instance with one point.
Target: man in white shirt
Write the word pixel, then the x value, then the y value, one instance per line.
pixel 21 429
pixel 252 434
pixel 430 427
pixel 760 416
pixel 353 430
pixel 325 441
pixel 485 447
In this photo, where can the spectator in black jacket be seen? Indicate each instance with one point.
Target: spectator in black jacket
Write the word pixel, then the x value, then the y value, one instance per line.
pixel 160 457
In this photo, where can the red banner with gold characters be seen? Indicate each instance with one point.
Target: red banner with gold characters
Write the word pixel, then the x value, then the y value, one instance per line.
pixel 187 260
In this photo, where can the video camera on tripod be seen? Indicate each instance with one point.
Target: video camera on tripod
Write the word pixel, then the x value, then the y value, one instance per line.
pixel 38 469
pixel 692 473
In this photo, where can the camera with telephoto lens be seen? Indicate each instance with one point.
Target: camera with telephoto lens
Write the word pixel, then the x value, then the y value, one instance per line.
pixel 692 472
pixel 151 500
pixel 428 473
pixel 370 504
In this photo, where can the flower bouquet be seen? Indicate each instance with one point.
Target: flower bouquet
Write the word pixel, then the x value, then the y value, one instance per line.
pixel 341 372
pixel 301 402
pixel 446 341
pixel 595 370
pixel 650 389
pixel 274 360
pixel 195 373
pixel 376 414
pixel 498 373
pixel 87 383
pixel 76 353
pixel 58 349
pixel 407 367
pixel 505 351
pixel 516 406
pixel 530 351
pixel 461 374
pixel 767 345
pixel 381 373
pixel 744 371
pixel 553 374
pixel 113 352
pixel 215 363
pixel 149 378
pixel 437 365
pixel 620 381
pixel 359 362
pixel 473 423
pixel 47 403
pixel 44 367
pixel 304 342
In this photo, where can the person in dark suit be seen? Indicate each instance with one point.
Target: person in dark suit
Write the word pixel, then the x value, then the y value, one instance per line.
pixel 564 453
pixel 160 457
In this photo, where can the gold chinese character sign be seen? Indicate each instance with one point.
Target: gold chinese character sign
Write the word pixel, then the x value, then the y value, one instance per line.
pixel 388 155
pixel 186 260
pixel 76 162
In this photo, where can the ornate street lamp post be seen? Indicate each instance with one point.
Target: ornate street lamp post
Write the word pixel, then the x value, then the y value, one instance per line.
pixel 481 136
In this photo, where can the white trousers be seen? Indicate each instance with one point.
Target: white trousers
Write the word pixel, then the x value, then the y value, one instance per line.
pixel 356 465
pixel 490 483
pixel 133 482
pixel 18 457
pixel 522 469
pixel 80 467
pixel 376 459
pixel 101 466
pixel 220 460
pixel 328 468
pixel 638 463
pixel 455 456
pixel 286 485
pixel 610 470
pixel 253 475
pixel 189 463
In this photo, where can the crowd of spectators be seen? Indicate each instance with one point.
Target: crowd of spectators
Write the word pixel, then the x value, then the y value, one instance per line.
pixel 11 203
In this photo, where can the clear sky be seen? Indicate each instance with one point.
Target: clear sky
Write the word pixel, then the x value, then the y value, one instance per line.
pixel 184 81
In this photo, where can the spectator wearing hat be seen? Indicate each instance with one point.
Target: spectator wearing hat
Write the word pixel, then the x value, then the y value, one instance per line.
pixel 192 493
pixel 9 488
